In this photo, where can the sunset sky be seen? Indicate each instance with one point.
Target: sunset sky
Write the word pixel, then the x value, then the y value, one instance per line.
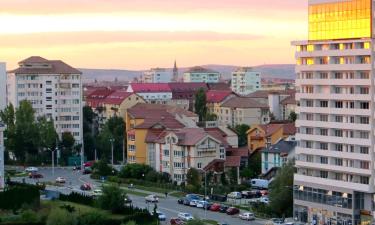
pixel 140 34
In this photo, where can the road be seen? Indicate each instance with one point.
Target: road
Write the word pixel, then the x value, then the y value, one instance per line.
pixel 168 206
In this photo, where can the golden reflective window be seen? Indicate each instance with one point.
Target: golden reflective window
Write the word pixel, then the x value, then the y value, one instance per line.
pixel 340 20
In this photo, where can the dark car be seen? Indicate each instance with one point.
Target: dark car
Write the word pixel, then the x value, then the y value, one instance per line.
pixel 176 221
pixel 87 170
pixel 223 209
pixel 232 211
pixel 207 206
pixel 35 175
pixel 180 201
pixel 186 202
pixel 251 194
pixel 85 187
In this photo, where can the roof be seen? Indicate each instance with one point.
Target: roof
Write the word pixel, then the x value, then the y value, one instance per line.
pixel 97 97
pixel 218 134
pixel 54 67
pixel 281 147
pixel 219 86
pixel 143 110
pixel 243 102
pixel 269 129
pixel 242 152
pixel 153 135
pixel 265 93
pixel 117 97
pixel 289 129
pixel 199 69
pixel 233 161
pixel 289 100
pixel 179 86
pixel 216 96
pixel 150 87
pixel 168 122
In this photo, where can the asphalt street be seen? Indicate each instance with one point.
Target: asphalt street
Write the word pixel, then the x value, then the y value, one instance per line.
pixel 168 206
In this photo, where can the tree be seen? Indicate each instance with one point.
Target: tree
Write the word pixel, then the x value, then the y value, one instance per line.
pixel 135 171
pixel 281 191
pixel 47 133
pixel 102 168
pixel 241 130
pixel 61 217
pixel 193 178
pixel 255 164
pixel 89 132
pixel 8 116
pixel 200 104
pixel 67 140
pixel 211 117
pixel 292 116
pixel 113 198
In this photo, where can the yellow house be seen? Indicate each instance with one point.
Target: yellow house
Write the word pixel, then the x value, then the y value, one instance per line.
pixel 142 118
pixel 261 136
pixel 119 102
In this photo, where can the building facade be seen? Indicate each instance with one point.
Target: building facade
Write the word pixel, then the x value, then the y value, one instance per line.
pixel 54 90
pixel 154 93
pixel 157 75
pixel 245 81
pixel 334 183
pixel 200 74
pixel 277 155
pixel 3 86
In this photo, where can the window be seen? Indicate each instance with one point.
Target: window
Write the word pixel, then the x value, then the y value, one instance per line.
pixel 324 174
pixel 338 133
pixel 338 161
pixel 199 165
pixel 364 90
pixel 75 85
pixel 364 105
pixel 309 130
pixel 323 117
pixel 131 148
pixel 364 75
pixel 323 146
pixel 364 165
pixel 48 106
pixel 48 90
pixel 309 116
pixel 351 105
pixel 363 134
pixel 166 152
pixel 323 160
pixel 309 158
pixel 364 180
pixel 338 147
pixel 324 132
pixel 48 99
pixel 364 120
pixel 324 104
pixel 363 150
pixel 309 144
pixel 339 119
pixel 309 103
pixel 338 104
pixel 323 75
pixel 48 82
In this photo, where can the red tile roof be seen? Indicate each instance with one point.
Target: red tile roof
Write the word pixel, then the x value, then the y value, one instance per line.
pixel 289 100
pixel 144 110
pixel 117 97
pixel 242 152
pixel 150 87
pixel 167 122
pixel 96 98
pixel 233 161
pixel 219 86
pixel 243 102
pixel 214 96
pixel 54 67
pixel 186 90
pixel 289 129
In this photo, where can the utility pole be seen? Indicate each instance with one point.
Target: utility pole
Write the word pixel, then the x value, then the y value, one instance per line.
pixel 112 140
pixel 123 150
pixel 205 194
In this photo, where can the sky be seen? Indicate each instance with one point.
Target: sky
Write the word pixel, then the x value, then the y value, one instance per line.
pixel 141 34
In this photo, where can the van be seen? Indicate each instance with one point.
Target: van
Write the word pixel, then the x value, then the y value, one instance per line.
pixel 235 195
pixel 259 183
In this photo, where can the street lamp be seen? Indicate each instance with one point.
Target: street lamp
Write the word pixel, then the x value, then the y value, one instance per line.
pixel 112 140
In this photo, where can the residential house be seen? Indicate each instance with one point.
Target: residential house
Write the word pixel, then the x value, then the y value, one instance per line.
pixel 183 94
pixel 200 74
pixel 214 98
pixel 264 135
pixel 277 155
pixel 154 93
pixel 288 105
pixel 243 110
pixel 118 102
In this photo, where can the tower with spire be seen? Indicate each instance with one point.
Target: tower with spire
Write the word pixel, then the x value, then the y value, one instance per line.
pixel 175 72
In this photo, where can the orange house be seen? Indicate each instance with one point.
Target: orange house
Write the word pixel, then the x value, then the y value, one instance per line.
pixel 261 136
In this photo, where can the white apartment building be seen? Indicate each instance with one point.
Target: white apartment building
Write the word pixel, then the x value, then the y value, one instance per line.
pixel 245 81
pixel 334 183
pixel 174 152
pixel 201 75
pixel 53 88
pixel 2 158
pixel 3 86
pixel 154 93
pixel 157 75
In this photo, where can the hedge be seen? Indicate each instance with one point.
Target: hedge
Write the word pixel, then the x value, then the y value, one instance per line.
pixel 15 196
pixel 78 198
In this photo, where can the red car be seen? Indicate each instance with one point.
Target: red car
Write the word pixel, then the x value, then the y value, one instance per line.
pixel 264 192
pixel 215 207
pixel 232 211
pixel 89 164
pixel 176 221
pixel 35 175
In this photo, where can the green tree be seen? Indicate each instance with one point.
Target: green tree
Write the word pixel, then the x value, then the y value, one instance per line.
pixel 67 140
pixel 281 191
pixel 47 133
pixel 136 171
pixel 292 116
pixel 61 217
pixel 255 164
pixel 130 223
pixel 211 117
pixel 8 117
pixel 89 132
pixel 26 132
pixel 193 178
pixel 200 104
pixel 102 168
pixel 92 218
pixel 241 130
pixel 113 198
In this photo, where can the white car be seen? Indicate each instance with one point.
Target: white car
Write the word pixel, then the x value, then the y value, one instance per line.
pixel 60 180
pixel 264 200
pixel 247 216
pixel 31 169
pixel 185 216
pixel 97 192
pixel 235 195
pixel 194 203
pixel 201 204
pixel 161 216
pixel 152 198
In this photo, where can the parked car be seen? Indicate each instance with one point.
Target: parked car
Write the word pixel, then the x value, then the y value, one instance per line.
pixel 185 216
pixel 235 195
pixel 264 200
pixel 222 224
pixel 35 175
pixel 85 187
pixel 186 201
pixel 180 201
pixel 31 170
pixel 220 198
pixel 215 207
pixel 88 164
pixel 87 170
pixel 247 216
pixel 161 216
pixel 277 221
pixel 223 209
pixel 60 180
pixel 176 221
pixel 97 192
pixel 259 183
pixel 192 196
pixel 232 211
pixel 203 204
pixel 193 203
pixel 251 194
pixel 127 200
pixel 152 198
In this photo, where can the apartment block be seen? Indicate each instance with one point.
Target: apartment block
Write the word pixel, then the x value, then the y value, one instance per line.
pixel 334 183
pixel 200 74
pixel 157 75
pixel 54 90
pixel 245 80
pixel 3 86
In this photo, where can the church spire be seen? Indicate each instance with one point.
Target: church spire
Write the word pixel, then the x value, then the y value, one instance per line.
pixel 175 72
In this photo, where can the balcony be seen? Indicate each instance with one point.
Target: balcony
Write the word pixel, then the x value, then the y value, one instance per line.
pixel 333 96
pixel 343 52
pixel 323 124
pixel 330 82
pixel 331 153
pixel 333 67
pixel 334 139
pixel 354 112
pixel 333 168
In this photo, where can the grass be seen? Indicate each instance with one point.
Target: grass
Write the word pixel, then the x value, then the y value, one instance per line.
pixel 213 222
pixel 178 194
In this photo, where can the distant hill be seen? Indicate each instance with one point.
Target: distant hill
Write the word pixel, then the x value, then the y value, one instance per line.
pixel 283 71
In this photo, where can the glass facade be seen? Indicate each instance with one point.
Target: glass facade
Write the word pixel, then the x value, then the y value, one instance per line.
pixel 340 20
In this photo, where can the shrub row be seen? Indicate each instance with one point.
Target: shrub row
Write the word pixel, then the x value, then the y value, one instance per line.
pixel 15 196
pixel 78 198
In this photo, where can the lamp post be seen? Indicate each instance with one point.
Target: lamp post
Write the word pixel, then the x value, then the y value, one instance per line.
pixel 112 140
pixel 205 194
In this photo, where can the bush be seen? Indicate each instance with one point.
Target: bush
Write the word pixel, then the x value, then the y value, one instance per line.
pixel 113 199
pixel 92 218
pixel 78 198
pixel 61 217
pixel 101 168
pixel 137 171
pixel 29 216
pixel 17 196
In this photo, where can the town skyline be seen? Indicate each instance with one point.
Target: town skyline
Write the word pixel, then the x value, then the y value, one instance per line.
pixel 145 34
